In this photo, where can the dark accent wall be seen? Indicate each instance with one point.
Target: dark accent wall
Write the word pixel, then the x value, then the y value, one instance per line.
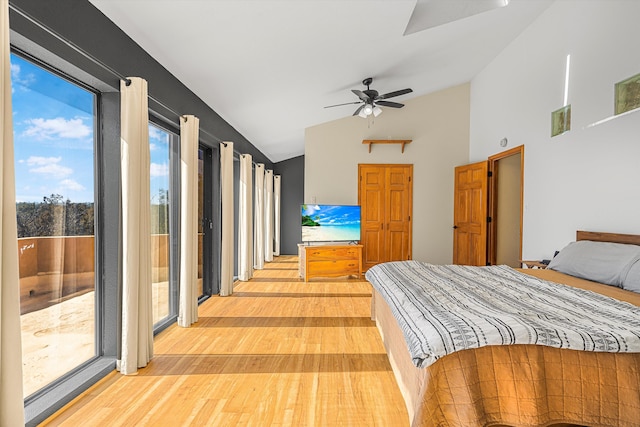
pixel 85 27
pixel 292 196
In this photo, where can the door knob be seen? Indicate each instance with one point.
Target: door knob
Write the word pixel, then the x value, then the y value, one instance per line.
pixel 455 226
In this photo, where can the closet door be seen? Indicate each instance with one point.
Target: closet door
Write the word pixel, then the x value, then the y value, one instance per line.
pixel 385 193
pixel 398 212
pixel 371 198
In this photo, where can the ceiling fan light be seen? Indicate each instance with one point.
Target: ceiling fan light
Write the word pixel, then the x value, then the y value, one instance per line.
pixel 376 111
pixel 367 110
pixel 362 114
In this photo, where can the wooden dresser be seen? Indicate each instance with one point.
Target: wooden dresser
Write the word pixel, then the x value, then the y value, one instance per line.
pixel 329 261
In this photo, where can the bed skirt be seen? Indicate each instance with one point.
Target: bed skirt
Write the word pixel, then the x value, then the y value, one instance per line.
pixel 517 385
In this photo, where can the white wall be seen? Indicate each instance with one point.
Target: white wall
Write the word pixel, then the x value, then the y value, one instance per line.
pixel 588 178
pixel 437 123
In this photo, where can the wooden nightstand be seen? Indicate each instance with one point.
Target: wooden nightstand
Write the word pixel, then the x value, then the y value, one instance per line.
pixel 534 264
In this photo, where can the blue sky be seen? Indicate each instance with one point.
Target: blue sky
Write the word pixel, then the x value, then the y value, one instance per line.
pixel 53 127
pixel 159 151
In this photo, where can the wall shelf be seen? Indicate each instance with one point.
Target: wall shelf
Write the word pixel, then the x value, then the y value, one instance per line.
pixel 370 142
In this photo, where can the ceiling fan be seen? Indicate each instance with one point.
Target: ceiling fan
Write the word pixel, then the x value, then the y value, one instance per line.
pixel 371 100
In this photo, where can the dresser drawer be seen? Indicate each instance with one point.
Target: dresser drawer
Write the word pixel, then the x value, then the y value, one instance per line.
pixel 333 268
pixel 333 253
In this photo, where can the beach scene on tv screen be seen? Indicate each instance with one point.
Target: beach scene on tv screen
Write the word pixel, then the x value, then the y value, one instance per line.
pixel 330 223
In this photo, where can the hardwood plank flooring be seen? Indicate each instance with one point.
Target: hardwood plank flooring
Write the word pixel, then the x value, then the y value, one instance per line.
pixel 279 352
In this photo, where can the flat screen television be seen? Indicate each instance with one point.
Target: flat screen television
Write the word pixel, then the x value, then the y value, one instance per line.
pixel 330 223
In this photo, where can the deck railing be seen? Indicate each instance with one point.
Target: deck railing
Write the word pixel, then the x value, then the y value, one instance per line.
pixel 56 268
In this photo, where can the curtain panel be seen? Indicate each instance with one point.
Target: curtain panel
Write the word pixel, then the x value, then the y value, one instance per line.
pixel 245 218
pixel 226 247
pixel 188 300
pixel 268 216
pixel 11 402
pixel 137 315
pixel 258 243
pixel 276 215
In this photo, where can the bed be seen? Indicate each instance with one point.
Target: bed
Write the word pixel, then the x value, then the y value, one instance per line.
pixel 524 384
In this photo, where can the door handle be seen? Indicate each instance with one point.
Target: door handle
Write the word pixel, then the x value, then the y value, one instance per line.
pixel 455 226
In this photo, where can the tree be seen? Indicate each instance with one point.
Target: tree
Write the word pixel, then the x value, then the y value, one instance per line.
pixel 54 217
pixel 160 212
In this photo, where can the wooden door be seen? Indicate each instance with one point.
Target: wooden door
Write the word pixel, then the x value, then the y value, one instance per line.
pixel 470 214
pixel 371 198
pixel 385 193
pixel 398 212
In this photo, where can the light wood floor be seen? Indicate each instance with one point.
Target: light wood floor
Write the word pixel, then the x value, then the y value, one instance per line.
pixel 279 352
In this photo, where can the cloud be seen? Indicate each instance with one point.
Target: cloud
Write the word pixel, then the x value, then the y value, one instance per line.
pixel 158 135
pixel 15 73
pixel 18 79
pixel 57 128
pixel 48 166
pixel 158 169
pixel 70 184
pixel 41 161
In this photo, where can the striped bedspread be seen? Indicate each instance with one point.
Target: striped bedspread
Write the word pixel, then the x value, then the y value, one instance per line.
pixel 445 308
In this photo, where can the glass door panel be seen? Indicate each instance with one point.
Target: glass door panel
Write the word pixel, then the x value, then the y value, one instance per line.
pixel 160 144
pixel 54 122
pixel 205 223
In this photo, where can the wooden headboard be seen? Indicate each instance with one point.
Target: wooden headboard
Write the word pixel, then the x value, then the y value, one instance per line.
pixel 632 239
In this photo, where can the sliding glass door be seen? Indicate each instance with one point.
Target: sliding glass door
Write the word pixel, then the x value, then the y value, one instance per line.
pixel 162 144
pixel 54 133
pixel 205 221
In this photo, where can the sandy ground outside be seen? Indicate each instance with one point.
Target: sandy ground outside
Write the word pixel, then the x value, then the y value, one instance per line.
pixel 58 338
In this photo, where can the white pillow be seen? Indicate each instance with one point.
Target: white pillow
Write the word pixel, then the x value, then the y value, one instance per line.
pixel 632 281
pixel 602 262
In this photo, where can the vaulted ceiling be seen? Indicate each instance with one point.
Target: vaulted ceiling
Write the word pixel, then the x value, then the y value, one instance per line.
pixel 270 67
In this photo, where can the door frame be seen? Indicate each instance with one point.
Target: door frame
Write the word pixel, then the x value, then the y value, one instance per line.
pixel 492 234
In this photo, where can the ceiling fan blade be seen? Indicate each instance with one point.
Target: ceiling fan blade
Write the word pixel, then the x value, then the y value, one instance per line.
pixel 346 103
pixel 359 109
pixel 360 94
pixel 390 104
pixel 395 93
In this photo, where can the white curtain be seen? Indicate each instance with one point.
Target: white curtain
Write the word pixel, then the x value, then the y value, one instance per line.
pixel 137 315
pixel 268 216
pixel 226 247
pixel 11 403
pixel 245 226
pixel 276 215
pixel 258 241
pixel 188 305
